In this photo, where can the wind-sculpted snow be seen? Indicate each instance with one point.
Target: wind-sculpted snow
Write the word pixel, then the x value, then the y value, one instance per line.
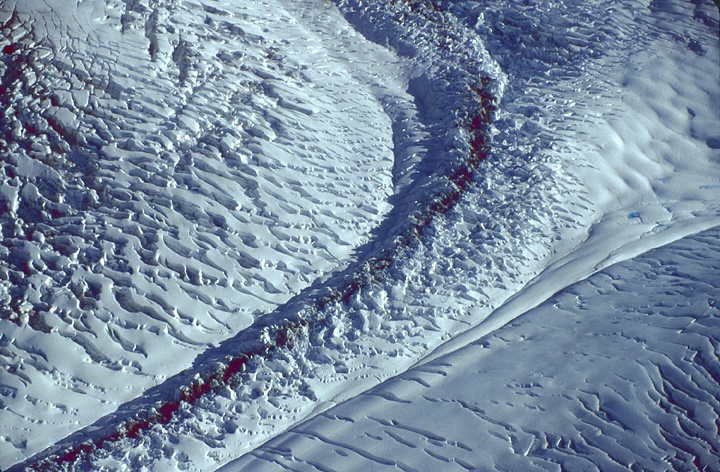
pixel 308 212
pixel 466 146
pixel 618 372
pixel 170 173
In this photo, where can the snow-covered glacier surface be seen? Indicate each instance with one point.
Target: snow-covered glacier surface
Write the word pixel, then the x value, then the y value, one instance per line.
pixel 602 376
pixel 359 235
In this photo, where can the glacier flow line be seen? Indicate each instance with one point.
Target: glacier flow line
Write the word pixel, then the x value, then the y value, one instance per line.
pixel 260 342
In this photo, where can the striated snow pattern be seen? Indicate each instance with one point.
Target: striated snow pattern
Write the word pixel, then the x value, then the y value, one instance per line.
pixel 640 334
pixel 167 177
pixel 222 221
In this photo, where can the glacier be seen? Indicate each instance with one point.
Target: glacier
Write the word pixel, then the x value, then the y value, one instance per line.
pixel 349 235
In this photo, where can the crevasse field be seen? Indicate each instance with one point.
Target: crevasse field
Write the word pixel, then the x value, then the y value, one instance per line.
pixel 360 235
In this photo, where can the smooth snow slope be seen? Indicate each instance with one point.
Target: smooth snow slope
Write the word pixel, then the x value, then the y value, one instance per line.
pixel 268 137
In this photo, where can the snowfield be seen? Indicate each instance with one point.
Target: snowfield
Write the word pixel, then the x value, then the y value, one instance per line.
pixel 601 376
pixel 360 235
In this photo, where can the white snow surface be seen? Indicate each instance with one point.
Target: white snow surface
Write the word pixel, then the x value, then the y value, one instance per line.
pixel 616 372
pixel 179 179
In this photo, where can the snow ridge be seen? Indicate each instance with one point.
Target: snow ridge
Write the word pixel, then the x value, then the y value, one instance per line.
pixel 602 376
pixel 377 317
pixel 168 177
pixel 478 108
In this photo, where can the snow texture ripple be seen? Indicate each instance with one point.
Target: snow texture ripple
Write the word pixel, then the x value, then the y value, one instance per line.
pixel 220 220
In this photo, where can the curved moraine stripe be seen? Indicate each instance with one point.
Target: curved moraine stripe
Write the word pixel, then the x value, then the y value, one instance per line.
pixel 263 342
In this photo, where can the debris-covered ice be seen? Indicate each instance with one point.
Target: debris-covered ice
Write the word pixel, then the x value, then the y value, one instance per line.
pixel 359 234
